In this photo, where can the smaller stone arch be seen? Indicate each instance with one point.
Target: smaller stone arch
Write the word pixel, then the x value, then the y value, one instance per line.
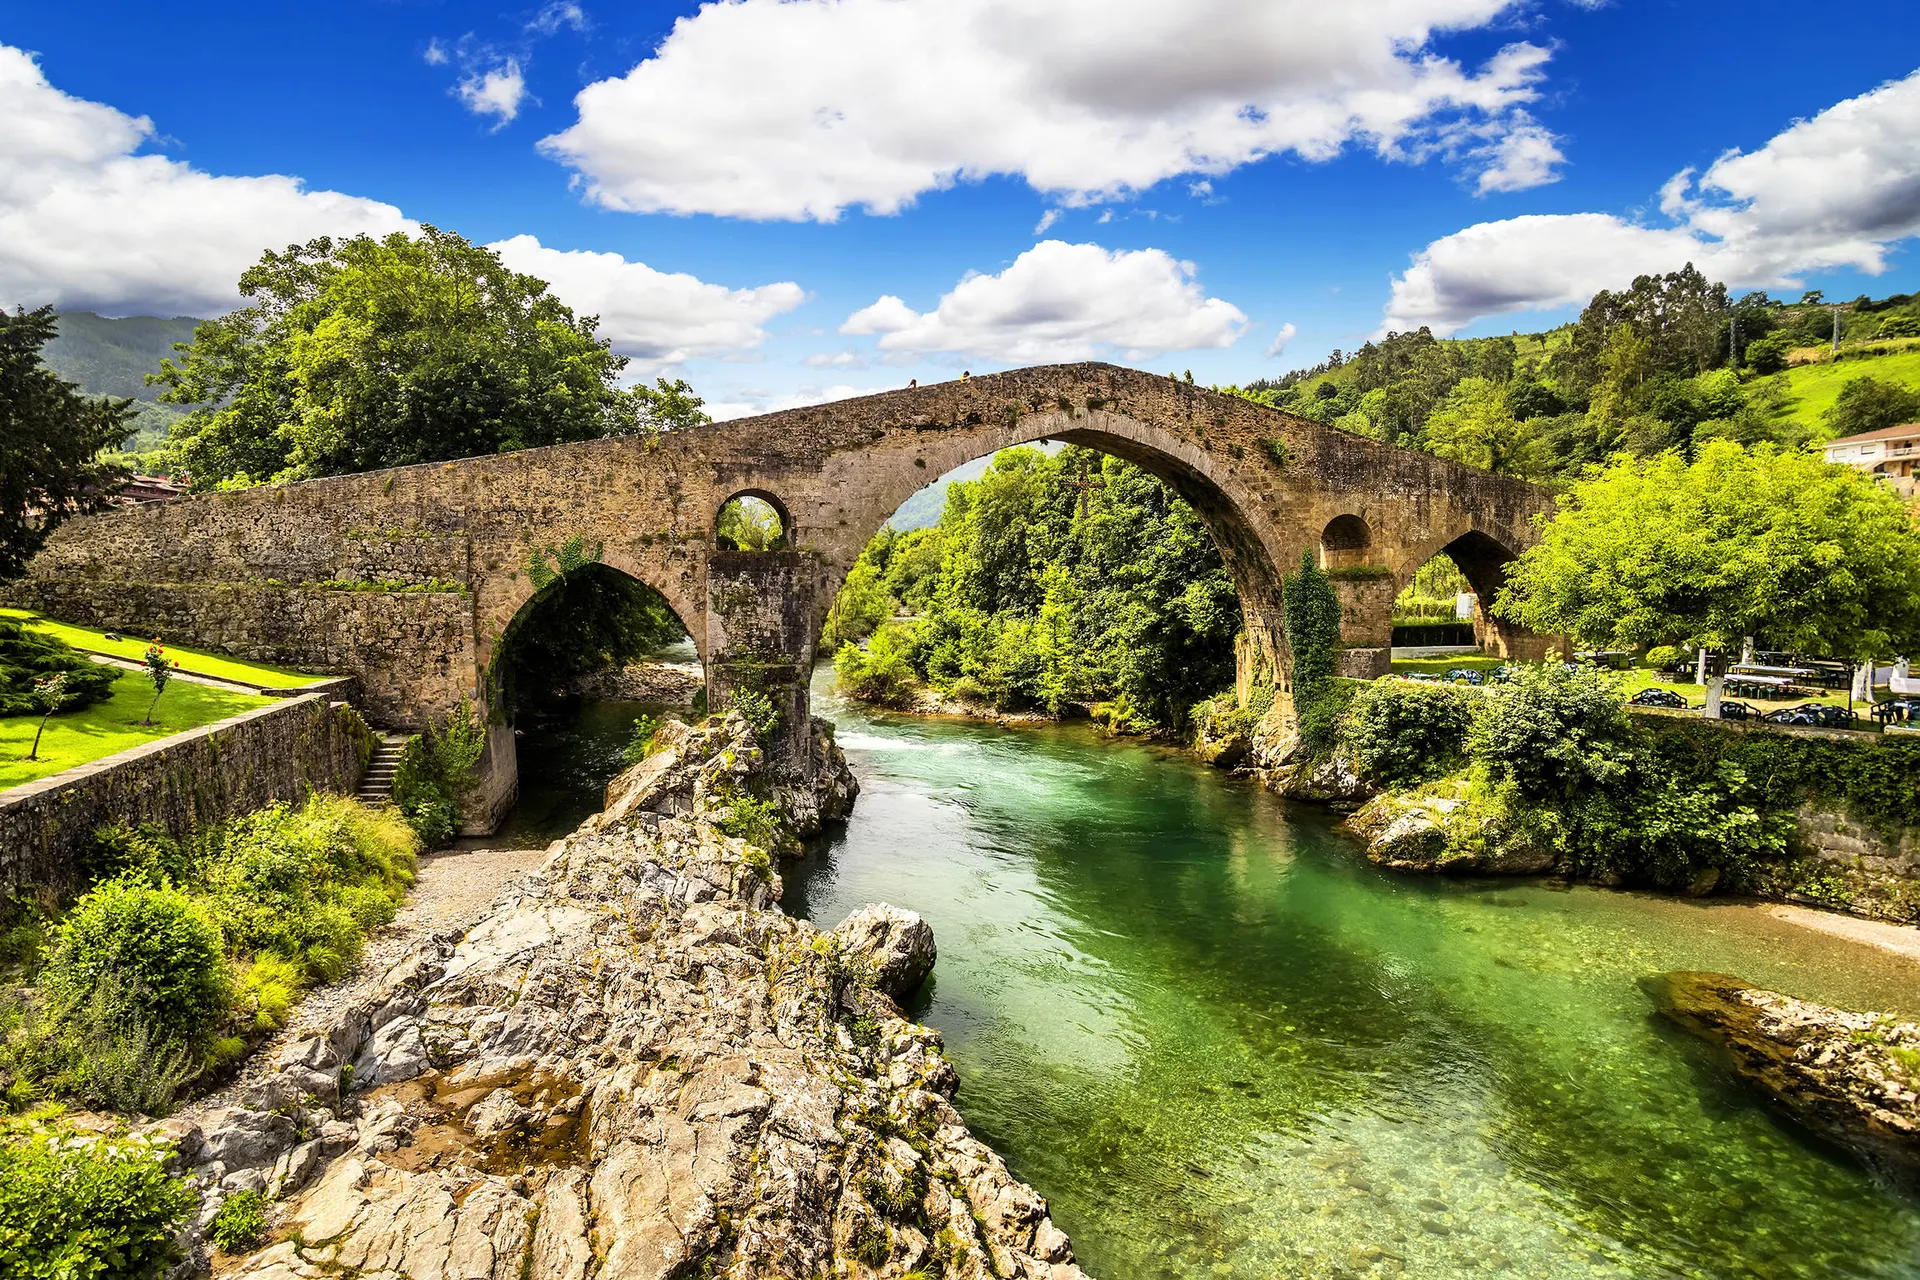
pixel 752 503
pixel 1346 543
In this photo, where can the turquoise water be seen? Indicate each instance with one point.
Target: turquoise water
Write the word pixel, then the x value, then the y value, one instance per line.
pixel 1221 1044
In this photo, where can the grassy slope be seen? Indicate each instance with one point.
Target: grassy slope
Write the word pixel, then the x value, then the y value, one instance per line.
pixel 203 664
pixel 75 737
pixel 1814 387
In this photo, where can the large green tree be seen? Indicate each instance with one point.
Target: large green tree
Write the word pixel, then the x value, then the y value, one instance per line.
pixel 363 353
pixel 51 438
pixel 1777 545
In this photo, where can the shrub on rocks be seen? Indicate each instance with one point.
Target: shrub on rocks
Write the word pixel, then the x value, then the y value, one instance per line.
pixel 88 1208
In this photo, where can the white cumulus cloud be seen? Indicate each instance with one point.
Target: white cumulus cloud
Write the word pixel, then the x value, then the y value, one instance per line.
pixel 800 109
pixel 87 222
pixel 1833 191
pixel 657 317
pixel 496 91
pixel 1288 332
pixel 1060 301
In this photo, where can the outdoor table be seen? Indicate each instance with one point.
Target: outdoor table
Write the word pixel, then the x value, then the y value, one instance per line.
pixel 1757 670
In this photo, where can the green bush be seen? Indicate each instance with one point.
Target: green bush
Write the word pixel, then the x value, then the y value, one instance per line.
pixel 1399 732
pixel 753 703
pixel 154 947
pixel 87 1209
pixel 1665 657
pixel 435 773
pixel 27 655
pixel 1556 734
pixel 758 822
pixel 241 1222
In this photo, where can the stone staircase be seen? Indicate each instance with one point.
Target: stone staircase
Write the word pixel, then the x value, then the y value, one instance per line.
pixel 377 784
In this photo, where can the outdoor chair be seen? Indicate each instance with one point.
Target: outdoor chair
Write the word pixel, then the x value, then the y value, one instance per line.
pixel 1735 711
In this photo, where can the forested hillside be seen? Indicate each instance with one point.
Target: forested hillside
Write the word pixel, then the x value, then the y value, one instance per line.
pixel 1667 363
pixel 110 357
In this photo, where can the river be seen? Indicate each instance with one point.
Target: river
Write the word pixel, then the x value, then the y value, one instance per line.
pixel 1221 1043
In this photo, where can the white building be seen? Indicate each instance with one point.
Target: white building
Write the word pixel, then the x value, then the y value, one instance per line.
pixel 1891 454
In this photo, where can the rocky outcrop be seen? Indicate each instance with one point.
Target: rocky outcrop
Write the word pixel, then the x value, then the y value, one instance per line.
pixel 1332 779
pixel 1442 833
pixel 896 946
pixel 1850 1078
pixel 634 1067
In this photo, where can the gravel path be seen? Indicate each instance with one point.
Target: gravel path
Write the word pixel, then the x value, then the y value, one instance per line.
pixel 452 891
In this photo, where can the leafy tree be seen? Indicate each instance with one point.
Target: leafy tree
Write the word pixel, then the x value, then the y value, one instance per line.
pixel 751 524
pixel 1474 425
pixel 1778 545
pixel 51 438
pixel 51 693
pixel 1868 404
pixel 665 406
pixel 363 353
pixel 159 669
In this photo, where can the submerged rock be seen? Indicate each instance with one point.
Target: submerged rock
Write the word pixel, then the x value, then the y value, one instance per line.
pixel 1848 1077
pixel 634 1067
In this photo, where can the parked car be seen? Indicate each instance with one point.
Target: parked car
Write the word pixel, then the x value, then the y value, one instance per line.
pixel 1658 698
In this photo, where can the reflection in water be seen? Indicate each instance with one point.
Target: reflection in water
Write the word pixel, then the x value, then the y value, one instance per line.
pixel 1221 1044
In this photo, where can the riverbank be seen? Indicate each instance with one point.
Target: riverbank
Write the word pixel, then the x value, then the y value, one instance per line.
pixel 634 1063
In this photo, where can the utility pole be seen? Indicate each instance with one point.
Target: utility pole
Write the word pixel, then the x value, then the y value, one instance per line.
pixel 1836 328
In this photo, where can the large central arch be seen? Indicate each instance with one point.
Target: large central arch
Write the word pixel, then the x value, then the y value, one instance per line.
pixel 409 578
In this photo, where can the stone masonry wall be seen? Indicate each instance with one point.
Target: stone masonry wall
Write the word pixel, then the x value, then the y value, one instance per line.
pixel 411 650
pixel 205 775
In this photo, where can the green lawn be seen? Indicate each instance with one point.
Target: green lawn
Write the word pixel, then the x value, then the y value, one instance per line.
pixel 75 737
pixel 193 660
pixel 1814 387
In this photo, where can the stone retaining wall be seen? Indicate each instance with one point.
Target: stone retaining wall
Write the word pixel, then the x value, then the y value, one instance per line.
pixel 189 780
pixel 412 651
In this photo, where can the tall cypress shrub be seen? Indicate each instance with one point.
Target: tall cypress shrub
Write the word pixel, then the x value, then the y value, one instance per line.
pixel 1313 644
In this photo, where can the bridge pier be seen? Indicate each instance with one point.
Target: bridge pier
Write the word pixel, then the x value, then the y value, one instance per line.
pixel 1366 622
pixel 761 607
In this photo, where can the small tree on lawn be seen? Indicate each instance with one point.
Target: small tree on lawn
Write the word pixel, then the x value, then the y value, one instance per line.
pixel 159 669
pixel 51 693
pixel 1815 558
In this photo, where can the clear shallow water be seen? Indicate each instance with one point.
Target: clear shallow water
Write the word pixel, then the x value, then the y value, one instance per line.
pixel 1221 1044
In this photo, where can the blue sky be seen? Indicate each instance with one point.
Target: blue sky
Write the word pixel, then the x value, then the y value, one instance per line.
pixel 808 184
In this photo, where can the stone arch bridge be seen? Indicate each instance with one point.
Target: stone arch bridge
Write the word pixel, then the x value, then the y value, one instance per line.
pixel 408 579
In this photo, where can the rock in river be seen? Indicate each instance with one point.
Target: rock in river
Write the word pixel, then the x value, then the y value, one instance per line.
pixel 1849 1077
pixel 635 1067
